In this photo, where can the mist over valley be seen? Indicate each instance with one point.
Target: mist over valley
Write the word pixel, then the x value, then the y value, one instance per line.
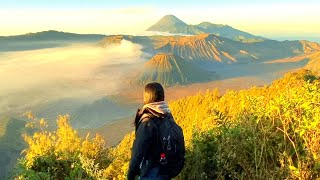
pixel 98 79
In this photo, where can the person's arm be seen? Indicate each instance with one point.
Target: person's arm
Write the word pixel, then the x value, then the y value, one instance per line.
pixel 141 145
pixel 136 119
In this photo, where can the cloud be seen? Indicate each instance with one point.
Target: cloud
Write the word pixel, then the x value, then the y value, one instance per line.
pixel 28 78
pixel 156 33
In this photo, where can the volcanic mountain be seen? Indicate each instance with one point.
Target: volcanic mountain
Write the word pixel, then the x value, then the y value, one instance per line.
pixel 170 69
pixel 172 24
pixel 216 49
pixel 205 47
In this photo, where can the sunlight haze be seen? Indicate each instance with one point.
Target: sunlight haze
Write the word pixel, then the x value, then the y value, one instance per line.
pixel 275 19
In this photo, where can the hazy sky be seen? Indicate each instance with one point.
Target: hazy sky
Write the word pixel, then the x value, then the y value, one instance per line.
pixel 267 18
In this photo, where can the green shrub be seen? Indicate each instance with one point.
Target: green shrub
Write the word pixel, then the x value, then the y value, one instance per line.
pixel 270 132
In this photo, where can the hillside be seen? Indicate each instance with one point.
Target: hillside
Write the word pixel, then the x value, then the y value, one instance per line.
pixel 52 35
pixel 314 62
pixel 247 134
pixel 44 39
pixel 172 24
pixel 270 132
pixel 216 49
pixel 98 113
pixel 11 144
pixel 84 113
pixel 170 69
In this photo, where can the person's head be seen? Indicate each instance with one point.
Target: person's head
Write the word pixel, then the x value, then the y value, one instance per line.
pixel 153 92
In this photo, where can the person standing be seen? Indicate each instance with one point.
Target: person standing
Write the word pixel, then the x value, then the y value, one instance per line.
pixel 158 152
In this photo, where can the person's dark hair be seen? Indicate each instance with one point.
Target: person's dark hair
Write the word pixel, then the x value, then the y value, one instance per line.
pixel 153 92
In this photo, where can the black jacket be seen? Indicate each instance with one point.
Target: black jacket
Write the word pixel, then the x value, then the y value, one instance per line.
pixel 146 147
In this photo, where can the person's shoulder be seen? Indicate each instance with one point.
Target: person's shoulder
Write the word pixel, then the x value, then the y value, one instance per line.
pixel 145 117
pixel 148 120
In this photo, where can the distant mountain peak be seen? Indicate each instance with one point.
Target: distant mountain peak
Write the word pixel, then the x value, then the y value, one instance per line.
pixel 44 32
pixel 166 23
pixel 209 24
pixel 53 31
pixel 172 24
pixel 172 18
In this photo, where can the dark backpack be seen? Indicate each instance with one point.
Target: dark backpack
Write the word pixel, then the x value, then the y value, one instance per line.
pixel 171 139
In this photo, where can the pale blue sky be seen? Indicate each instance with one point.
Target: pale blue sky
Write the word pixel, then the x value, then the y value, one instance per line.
pixel 130 3
pixel 270 18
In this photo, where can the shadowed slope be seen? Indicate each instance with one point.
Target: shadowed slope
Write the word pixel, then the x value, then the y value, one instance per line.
pixel 11 144
pixel 314 62
pixel 229 32
pixel 98 113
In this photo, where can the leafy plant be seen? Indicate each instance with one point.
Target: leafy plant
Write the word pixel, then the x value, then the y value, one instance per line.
pixel 270 132
pixel 61 154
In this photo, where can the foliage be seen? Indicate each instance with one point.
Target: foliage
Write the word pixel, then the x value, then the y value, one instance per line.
pixel 260 133
pixel 121 155
pixel 269 132
pixel 61 154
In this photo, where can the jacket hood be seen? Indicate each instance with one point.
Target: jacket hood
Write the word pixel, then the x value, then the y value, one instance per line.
pixel 158 109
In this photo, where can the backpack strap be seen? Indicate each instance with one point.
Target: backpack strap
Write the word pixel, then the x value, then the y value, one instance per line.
pixel 144 117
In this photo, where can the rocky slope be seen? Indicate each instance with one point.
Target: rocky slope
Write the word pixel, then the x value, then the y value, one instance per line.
pixel 212 48
pixel 170 69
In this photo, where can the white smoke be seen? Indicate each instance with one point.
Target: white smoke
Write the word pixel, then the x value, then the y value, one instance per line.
pixel 154 33
pixel 29 78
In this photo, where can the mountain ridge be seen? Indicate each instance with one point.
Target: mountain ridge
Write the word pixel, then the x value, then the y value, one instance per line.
pixel 44 39
pixel 172 24
pixel 51 34
pixel 216 49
